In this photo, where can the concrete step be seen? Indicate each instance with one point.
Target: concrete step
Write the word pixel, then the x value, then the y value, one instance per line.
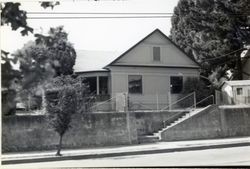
pixel 148 139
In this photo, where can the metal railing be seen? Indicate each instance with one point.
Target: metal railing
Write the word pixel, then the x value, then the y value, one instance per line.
pixel 178 101
pixel 206 98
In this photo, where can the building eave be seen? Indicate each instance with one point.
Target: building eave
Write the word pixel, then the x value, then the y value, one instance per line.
pixel 156 30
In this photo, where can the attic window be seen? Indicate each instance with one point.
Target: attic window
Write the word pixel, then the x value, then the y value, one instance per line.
pixel 156 54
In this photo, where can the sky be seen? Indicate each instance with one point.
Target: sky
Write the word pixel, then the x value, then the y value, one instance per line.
pixel 94 34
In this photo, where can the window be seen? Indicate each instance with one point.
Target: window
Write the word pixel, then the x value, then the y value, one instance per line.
pixel 135 84
pixel 91 81
pixel 103 85
pixel 176 84
pixel 239 91
pixel 156 53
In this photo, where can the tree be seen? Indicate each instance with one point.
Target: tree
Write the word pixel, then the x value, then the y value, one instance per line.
pixel 209 29
pixel 11 14
pixel 42 60
pixel 65 95
pixel 77 82
pixel 60 114
pixel 59 49
pixel 9 82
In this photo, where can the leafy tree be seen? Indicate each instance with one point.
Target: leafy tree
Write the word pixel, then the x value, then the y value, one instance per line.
pixel 59 49
pixel 60 113
pixel 9 83
pixel 11 14
pixel 42 60
pixel 10 78
pixel 65 95
pixel 208 29
pixel 78 83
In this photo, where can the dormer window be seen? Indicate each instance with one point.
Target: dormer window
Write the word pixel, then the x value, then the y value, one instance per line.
pixel 156 54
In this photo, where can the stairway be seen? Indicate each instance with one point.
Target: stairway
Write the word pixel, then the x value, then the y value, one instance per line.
pixel 181 119
pixel 172 121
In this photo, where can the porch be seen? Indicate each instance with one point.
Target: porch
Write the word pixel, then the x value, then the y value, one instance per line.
pixel 99 85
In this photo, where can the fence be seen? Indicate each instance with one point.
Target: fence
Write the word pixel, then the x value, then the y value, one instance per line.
pixel 123 101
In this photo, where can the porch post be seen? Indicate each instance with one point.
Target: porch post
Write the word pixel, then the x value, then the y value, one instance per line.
pixel 97 85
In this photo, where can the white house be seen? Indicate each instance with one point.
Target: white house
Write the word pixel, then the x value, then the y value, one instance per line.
pixel 236 92
pixel 148 71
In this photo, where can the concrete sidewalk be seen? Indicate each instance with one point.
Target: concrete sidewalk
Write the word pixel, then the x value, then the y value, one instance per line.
pixel 159 147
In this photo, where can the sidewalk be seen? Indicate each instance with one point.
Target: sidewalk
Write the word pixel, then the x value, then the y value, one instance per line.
pixel 159 147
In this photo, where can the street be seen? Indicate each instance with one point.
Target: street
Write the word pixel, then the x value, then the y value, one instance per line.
pixel 236 156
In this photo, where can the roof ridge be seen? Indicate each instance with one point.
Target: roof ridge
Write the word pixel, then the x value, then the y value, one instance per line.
pixel 136 44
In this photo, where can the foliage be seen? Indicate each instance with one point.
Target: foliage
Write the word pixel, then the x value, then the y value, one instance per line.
pixel 9 84
pixel 44 59
pixel 199 87
pixel 59 50
pixel 11 14
pixel 82 90
pixel 65 95
pixel 60 113
pixel 9 75
pixel 52 4
pixel 35 65
pixel 207 29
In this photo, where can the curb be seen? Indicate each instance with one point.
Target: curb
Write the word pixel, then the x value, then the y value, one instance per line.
pixel 142 152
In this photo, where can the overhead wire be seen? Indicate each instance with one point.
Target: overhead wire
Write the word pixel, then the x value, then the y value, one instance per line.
pixel 99 17
pixel 224 55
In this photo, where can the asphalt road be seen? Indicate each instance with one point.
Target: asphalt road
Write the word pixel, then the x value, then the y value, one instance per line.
pixel 235 156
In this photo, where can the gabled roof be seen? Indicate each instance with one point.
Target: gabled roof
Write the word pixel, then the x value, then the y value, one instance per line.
pixel 156 30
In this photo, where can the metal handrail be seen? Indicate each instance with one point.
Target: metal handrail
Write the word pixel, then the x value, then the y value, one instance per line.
pixel 103 102
pixel 206 99
pixel 178 101
pixel 139 103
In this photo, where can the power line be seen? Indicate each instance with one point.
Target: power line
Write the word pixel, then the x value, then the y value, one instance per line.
pixel 104 13
pixel 121 13
pixel 99 17
pixel 224 55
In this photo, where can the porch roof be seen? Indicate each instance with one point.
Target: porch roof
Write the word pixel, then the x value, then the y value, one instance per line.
pixel 88 61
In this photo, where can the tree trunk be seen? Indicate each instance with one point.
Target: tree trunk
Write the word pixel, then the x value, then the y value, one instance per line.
pixel 59 147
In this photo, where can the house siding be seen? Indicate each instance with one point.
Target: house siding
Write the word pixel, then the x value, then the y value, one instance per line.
pixel 143 54
pixel 155 83
pixel 244 98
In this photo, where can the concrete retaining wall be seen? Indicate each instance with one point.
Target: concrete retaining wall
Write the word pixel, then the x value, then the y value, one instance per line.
pixel 148 122
pixel 24 133
pixel 214 122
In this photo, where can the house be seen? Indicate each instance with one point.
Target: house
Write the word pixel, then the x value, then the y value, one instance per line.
pixel 148 72
pixel 236 92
